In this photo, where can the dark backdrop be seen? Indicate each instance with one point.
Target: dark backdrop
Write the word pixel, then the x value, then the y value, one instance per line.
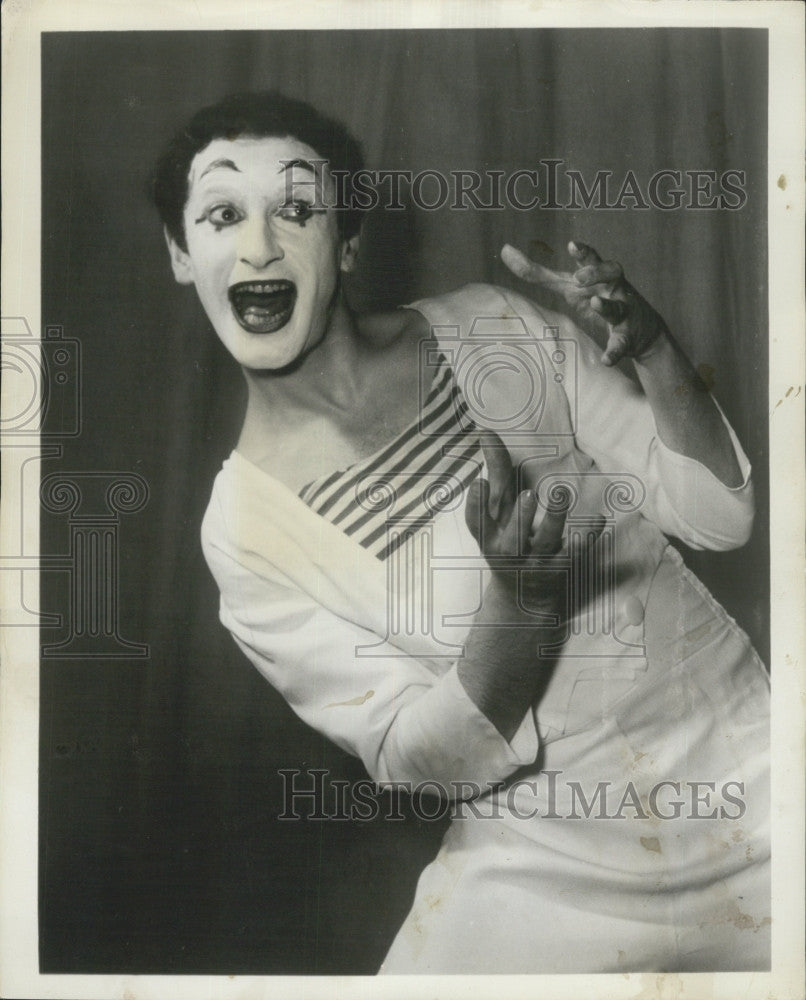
pixel 160 845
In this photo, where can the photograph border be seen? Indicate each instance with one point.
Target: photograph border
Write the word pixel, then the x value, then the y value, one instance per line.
pixel 23 25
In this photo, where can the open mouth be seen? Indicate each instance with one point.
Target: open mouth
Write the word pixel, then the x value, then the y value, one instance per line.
pixel 263 306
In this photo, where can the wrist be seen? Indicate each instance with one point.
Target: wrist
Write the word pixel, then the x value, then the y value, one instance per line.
pixel 499 601
pixel 510 599
pixel 661 345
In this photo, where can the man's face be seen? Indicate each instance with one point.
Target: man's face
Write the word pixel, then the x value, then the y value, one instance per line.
pixel 262 250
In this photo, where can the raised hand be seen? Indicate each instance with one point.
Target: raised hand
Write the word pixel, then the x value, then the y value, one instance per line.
pixel 522 619
pixel 501 519
pixel 597 291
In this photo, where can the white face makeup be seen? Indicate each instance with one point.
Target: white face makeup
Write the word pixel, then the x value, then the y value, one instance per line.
pixel 263 250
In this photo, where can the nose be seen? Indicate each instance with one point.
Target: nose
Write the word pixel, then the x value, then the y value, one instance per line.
pixel 259 245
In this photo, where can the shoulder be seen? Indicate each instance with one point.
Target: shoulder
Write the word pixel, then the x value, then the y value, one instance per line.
pixel 244 501
pixel 464 307
pixel 384 330
pixel 394 342
pixel 216 533
pixel 395 333
pixel 247 528
pixel 476 298
pixel 458 312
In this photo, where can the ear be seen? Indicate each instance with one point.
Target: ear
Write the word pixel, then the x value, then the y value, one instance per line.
pixel 180 260
pixel 349 254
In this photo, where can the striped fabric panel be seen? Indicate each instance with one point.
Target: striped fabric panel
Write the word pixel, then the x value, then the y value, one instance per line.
pixel 425 470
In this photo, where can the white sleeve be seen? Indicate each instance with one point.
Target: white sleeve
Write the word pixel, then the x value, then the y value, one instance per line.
pixel 616 428
pixel 405 721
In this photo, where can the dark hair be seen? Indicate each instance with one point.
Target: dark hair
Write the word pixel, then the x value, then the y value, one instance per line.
pixel 255 114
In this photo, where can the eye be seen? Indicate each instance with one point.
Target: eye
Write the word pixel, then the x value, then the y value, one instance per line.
pixel 220 216
pixel 223 215
pixel 296 211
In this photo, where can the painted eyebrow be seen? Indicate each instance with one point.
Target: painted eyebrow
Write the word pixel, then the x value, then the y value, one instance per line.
pixel 299 163
pixel 227 164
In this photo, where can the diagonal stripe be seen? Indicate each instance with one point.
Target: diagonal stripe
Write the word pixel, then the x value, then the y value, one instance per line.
pixel 441 381
pixel 414 463
pixel 422 426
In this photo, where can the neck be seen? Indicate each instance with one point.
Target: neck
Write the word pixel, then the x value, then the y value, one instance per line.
pixel 327 377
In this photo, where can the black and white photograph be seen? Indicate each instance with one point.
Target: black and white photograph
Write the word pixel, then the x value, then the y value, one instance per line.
pixel 402 540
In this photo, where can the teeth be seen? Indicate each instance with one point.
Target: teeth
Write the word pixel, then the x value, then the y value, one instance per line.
pixel 263 288
pixel 263 306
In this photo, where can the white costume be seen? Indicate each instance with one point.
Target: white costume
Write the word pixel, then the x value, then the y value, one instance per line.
pixel 633 834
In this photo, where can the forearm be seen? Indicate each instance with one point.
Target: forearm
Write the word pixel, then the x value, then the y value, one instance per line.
pixel 502 670
pixel 686 416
